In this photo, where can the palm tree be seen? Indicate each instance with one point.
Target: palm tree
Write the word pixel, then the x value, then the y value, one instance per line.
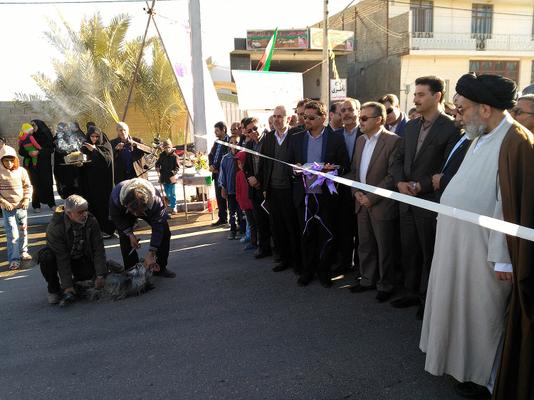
pixel 94 72
pixel 157 93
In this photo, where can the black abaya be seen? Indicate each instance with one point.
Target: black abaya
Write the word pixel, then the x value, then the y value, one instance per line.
pixel 97 181
pixel 41 174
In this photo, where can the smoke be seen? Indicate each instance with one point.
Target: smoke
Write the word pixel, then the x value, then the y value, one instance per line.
pixel 69 138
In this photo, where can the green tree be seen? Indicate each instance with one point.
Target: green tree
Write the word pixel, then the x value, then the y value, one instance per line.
pixel 93 73
pixel 157 93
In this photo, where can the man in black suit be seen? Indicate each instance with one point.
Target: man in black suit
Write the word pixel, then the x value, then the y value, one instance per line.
pixel 334 116
pixel 453 162
pixel 275 180
pixel 214 160
pixel 255 192
pixel 316 205
pixel 451 166
pixel 128 157
pixel 346 228
pixel 427 143
pixel 396 120
pixel 299 110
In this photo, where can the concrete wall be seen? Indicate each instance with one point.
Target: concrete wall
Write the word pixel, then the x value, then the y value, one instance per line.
pixel 367 81
pixel 370 37
pixel 12 116
pixel 311 83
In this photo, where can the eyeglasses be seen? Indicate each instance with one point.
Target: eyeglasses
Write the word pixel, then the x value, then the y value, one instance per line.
pixel 311 117
pixel 389 110
pixel 255 129
pixel 517 112
pixel 365 117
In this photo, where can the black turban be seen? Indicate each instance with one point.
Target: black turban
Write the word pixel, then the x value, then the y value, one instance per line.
pixel 494 90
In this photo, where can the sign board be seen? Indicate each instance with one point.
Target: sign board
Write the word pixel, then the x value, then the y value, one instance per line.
pixel 259 90
pixel 285 39
pixel 338 89
pixel 339 40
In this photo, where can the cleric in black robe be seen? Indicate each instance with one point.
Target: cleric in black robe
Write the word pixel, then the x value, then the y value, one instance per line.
pixel 96 177
pixel 67 176
pixel 41 175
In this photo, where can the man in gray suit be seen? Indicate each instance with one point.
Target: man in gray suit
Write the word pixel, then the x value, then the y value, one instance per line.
pixel 428 140
pixel 371 164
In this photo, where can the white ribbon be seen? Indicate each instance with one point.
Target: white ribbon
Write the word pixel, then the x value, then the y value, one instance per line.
pixel 481 220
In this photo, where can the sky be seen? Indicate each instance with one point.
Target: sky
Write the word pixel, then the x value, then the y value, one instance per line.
pixel 25 50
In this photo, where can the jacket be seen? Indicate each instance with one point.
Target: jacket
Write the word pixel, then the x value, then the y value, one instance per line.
pixel 155 214
pixel 334 151
pixel 409 166
pixel 15 186
pixel 378 173
pixel 138 167
pixel 227 173
pixel 167 165
pixel 215 157
pixel 59 239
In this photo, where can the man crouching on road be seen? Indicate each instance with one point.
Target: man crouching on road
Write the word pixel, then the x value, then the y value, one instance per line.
pixel 137 198
pixel 74 250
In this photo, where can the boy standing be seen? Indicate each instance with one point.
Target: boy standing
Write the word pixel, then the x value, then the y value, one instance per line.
pixel 167 166
pixel 15 195
pixel 227 183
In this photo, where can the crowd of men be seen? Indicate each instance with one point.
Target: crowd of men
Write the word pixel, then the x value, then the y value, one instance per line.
pixel 471 286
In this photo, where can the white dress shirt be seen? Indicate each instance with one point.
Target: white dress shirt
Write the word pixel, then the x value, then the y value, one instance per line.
pixel 280 139
pixel 367 153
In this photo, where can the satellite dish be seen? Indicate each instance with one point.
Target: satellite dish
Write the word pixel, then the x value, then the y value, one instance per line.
pixel 529 89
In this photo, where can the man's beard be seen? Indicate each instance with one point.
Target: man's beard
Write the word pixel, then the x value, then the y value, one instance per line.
pixel 474 129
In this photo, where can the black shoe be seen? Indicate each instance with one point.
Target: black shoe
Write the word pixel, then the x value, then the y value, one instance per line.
pixel 165 273
pixel 304 280
pixel 406 301
pixel 262 254
pixel 358 288
pixel 471 390
pixel 420 312
pixel 219 222
pixel 382 296
pixel 280 267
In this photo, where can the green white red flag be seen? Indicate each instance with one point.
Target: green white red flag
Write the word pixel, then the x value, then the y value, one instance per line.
pixel 265 60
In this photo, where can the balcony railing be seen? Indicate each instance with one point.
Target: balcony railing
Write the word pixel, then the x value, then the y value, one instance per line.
pixel 470 42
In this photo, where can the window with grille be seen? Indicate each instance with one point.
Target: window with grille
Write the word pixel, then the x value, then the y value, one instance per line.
pixel 482 21
pixel 422 18
pixel 509 69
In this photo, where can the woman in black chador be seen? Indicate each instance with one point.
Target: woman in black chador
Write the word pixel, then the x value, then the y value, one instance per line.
pixel 97 177
pixel 69 138
pixel 41 172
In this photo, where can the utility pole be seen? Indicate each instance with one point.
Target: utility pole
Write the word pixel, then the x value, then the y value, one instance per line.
pixel 325 69
pixel 197 67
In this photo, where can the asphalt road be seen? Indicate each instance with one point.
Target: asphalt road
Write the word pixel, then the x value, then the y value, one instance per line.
pixel 226 328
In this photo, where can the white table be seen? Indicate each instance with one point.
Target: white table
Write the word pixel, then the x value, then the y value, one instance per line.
pixel 202 180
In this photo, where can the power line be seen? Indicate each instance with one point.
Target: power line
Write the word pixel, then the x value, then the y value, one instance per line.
pixel 49 2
